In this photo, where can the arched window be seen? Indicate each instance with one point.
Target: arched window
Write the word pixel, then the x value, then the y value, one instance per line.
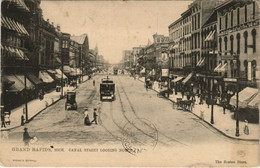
pixel 220 44
pixel 254 40
pixel 245 43
pixel 238 11
pixel 231 19
pixel 246 68
pixel 231 43
pixel 238 43
pixel 225 40
pixel 245 13
pixel 226 21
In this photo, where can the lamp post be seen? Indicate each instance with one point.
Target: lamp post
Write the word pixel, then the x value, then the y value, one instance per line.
pixel 237 112
pixel 25 93
pixel 61 95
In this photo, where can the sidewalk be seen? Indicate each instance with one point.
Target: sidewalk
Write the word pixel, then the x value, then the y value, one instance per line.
pixel 36 106
pixel 224 123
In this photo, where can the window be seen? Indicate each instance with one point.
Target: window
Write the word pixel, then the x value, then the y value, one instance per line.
pixel 231 18
pixel 254 40
pixel 198 20
pixel 238 16
pixel 225 40
pixel 220 44
pixel 219 23
pixel 245 13
pixel 238 43
pixel 231 43
pixel 246 68
pixel 226 21
pixel 254 10
pixel 245 38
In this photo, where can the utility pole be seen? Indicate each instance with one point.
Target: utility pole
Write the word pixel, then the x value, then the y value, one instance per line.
pixel 62 76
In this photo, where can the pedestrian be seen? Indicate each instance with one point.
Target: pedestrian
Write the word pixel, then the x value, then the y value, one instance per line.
pixel 22 120
pixel 94 82
pixel 86 117
pixel 7 118
pixel 94 116
pixel 26 137
pixel 3 120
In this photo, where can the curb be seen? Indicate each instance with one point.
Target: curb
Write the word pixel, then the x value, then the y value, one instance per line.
pixel 241 139
pixel 29 120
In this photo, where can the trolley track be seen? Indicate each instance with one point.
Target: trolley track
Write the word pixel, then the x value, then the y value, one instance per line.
pixel 140 119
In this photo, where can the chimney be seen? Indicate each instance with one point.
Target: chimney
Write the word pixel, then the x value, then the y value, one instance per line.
pixel 58 27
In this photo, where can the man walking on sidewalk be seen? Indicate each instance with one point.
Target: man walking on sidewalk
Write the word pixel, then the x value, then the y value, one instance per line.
pixel 3 119
pixel 94 116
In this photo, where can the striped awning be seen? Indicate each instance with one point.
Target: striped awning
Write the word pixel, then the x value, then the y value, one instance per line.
pixel 177 79
pixel 45 77
pixel 201 62
pixel 217 67
pixel 19 4
pixel 19 54
pixel 187 78
pixel 13 25
pixel 210 36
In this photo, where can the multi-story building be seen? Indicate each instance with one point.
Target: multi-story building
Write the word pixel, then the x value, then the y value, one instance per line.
pixel 15 62
pixel 238 23
pixel 180 43
pixel 127 59
pixel 82 41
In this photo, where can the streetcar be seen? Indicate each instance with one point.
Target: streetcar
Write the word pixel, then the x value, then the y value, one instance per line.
pixel 107 90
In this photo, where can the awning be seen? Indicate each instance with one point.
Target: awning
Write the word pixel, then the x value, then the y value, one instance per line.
pixel 175 46
pixel 6 81
pixel 66 69
pixel 201 62
pixel 19 54
pixel 79 71
pixel 13 25
pixel 187 78
pixel 45 77
pixel 254 103
pixel 34 79
pixel 210 36
pixel 19 4
pixel 244 97
pixel 73 72
pixel 177 79
pixel 60 73
pixel 143 70
pixel 17 86
pixel 29 84
pixel 51 71
pixel 223 68
pixel 217 68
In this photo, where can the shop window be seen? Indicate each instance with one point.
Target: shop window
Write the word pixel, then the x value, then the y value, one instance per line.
pixel 245 42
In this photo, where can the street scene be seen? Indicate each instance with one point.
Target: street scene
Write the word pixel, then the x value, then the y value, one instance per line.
pixel 188 96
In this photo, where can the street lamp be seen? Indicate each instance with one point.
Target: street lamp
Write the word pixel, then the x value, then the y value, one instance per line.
pixel 237 112
pixel 25 92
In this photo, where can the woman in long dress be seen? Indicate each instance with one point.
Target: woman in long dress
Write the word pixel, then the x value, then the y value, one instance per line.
pixel 86 117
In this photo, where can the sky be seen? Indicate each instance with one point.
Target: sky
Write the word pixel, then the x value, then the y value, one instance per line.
pixel 114 26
